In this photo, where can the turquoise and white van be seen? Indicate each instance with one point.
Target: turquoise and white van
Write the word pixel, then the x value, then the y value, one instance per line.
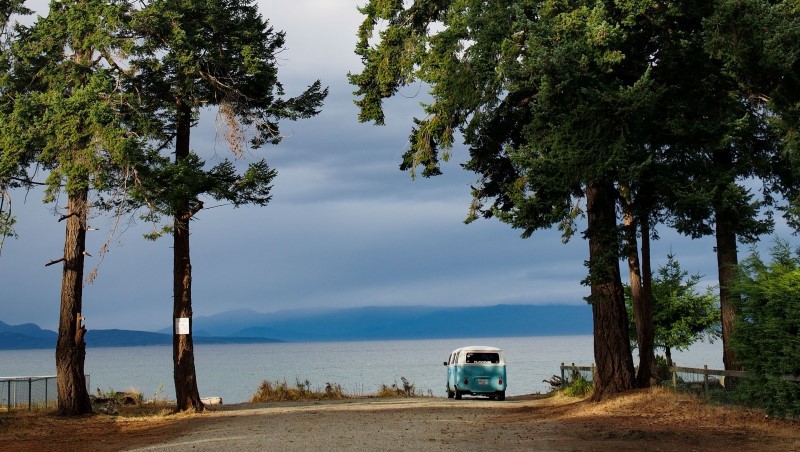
pixel 476 370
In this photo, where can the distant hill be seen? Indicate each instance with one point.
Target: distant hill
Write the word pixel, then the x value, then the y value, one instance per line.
pixel 30 336
pixel 352 324
pixel 416 322
pixel 25 336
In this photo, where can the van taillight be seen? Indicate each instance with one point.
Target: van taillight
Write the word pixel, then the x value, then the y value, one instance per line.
pixel 466 381
pixel 499 381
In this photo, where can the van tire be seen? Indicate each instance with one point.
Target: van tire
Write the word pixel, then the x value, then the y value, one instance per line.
pixel 450 393
pixel 458 394
pixel 501 395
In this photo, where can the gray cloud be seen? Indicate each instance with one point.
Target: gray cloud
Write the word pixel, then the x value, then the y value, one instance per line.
pixel 345 227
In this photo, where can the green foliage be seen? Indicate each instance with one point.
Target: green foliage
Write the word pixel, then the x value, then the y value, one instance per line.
pixel 578 387
pixel 282 392
pixel 767 329
pixel 681 316
pixel 222 54
pixel 64 105
pixel 7 220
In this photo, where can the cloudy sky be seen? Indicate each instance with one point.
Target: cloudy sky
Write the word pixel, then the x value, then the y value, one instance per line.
pixel 345 228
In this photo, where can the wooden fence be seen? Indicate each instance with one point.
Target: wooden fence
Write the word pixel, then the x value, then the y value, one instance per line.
pixel 711 378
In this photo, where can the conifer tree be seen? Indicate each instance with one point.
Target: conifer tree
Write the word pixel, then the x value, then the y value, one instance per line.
pixel 66 113
pixel 546 95
pixel 575 109
pixel 682 316
pixel 195 55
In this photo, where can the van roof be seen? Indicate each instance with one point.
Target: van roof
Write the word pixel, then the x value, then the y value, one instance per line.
pixel 476 348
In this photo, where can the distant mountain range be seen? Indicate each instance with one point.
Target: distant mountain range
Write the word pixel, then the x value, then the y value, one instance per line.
pixel 30 336
pixel 26 336
pixel 364 323
pixel 416 322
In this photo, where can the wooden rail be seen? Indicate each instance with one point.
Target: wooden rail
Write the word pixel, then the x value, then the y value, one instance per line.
pixel 674 370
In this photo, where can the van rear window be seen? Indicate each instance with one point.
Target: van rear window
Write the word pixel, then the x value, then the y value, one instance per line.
pixel 493 358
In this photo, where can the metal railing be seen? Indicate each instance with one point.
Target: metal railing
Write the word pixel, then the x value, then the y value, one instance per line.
pixel 29 392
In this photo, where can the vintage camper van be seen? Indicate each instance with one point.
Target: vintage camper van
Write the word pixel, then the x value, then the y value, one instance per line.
pixel 476 370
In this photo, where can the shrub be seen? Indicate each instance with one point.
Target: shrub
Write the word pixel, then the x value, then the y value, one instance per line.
pixel 767 327
pixel 281 392
pixel 578 387
pixel 407 390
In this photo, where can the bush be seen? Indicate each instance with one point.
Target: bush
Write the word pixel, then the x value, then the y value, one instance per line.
pixel 281 392
pixel 407 390
pixel 767 326
pixel 579 387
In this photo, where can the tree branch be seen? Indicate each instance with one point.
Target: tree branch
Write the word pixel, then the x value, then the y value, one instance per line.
pixel 25 180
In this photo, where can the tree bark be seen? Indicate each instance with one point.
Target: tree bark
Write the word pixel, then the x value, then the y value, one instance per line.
pixel 73 397
pixel 637 298
pixel 648 334
pixel 726 263
pixel 186 392
pixel 612 350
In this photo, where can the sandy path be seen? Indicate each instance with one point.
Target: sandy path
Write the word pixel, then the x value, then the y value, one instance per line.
pixel 477 424
pixel 395 424
pixel 639 420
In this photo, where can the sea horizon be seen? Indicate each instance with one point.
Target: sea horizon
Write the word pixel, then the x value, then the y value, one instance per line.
pixel 234 371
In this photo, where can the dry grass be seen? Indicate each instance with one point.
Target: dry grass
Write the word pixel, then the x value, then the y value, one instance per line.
pixel 406 390
pixel 280 391
pixel 663 406
pixel 45 431
pixel 637 420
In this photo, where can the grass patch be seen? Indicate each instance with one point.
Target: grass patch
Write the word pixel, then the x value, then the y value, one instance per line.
pixel 280 391
pixel 131 403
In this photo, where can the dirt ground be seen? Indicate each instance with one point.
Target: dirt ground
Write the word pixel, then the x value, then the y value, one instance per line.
pixel 641 420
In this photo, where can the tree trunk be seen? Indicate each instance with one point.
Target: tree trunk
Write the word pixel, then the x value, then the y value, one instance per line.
pixel 186 392
pixel 648 335
pixel 642 312
pixel 73 397
pixel 612 350
pixel 726 264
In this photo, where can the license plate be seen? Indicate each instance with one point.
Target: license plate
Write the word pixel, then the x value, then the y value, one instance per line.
pixel 483 381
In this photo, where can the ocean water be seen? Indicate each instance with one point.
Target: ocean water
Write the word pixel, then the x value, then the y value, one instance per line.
pixel 234 372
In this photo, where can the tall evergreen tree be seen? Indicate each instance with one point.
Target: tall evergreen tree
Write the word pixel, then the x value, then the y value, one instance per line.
pixel 716 140
pixel 193 55
pixel 757 43
pixel 69 116
pixel 552 99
